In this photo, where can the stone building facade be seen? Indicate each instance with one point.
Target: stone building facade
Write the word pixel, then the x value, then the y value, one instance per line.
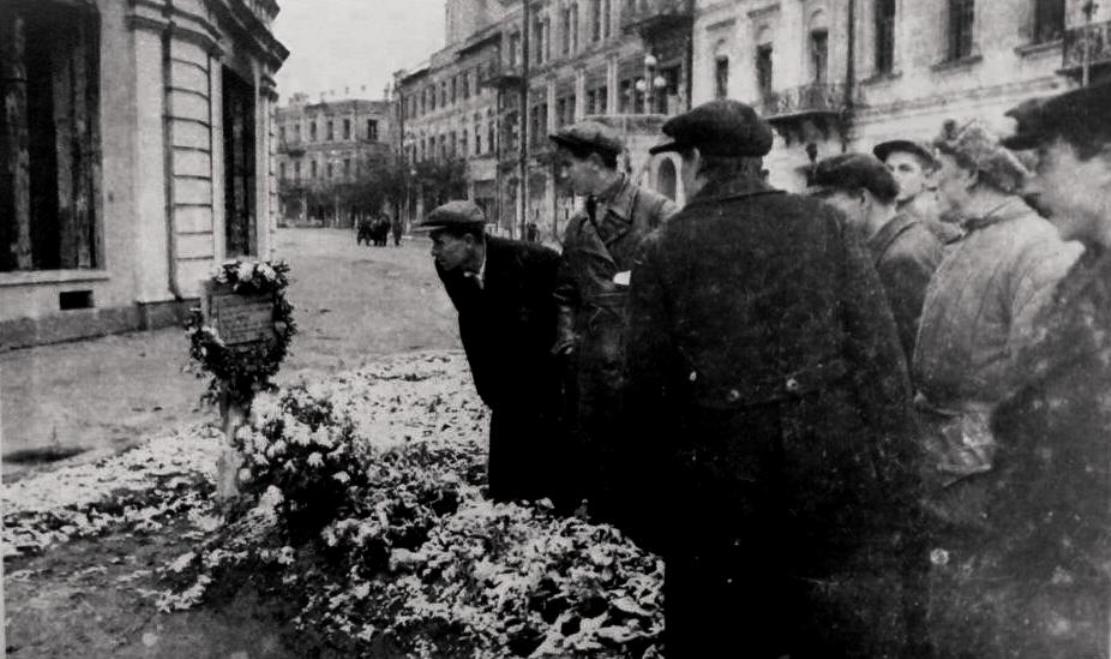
pixel 135 155
pixel 834 75
pixel 324 145
pixel 625 62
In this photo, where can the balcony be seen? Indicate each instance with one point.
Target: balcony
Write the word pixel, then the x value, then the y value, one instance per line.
pixel 1087 42
pixel 799 111
pixel 505 76
pixel 648 17
pixel 291 148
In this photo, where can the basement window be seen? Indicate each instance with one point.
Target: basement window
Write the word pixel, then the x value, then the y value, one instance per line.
pixel 49 135
pixel 69 300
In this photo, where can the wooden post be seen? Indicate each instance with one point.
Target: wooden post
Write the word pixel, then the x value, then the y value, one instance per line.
pixel 232 417
pixel 14 142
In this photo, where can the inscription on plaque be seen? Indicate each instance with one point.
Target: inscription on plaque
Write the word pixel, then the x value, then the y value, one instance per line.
pixel 243 319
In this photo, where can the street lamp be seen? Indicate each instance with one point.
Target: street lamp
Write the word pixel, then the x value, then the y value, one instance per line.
pixel 650 83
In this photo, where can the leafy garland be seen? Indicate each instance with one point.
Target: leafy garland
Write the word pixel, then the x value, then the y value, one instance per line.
pixel 242 371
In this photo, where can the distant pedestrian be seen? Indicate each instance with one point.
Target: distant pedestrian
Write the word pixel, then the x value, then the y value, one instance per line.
pixel 915 167
pixel 502 290
pixel 599 247
pixel 770 396
pixel 905 252
pixel 1041 587
pixel 397 226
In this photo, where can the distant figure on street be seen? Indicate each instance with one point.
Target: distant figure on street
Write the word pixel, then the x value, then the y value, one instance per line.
pixel 502 290
pixel 599 246
pixel 915 168
pixel 397 226
pixel 532 232
pixel 770 398
pixel 905 252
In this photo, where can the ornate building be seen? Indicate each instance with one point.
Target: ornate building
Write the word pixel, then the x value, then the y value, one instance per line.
pixel 834 75
pixel 538 67
pixel 134 156
pixel 326 145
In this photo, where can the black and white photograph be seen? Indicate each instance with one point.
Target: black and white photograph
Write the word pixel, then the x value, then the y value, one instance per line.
pixel 555 329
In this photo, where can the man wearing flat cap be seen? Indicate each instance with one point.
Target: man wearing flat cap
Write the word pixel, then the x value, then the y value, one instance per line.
pixel 771 394
pixel 914 166
pixel 1040 587
pixel 599 246
pixel 502 290
pixel 904 251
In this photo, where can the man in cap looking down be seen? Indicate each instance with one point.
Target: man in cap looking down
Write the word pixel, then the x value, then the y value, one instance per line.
pixel 599 245
pixel 770 393
pixel 904 251
pixel 502 290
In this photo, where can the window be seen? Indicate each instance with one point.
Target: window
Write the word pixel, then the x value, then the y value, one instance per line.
pixel 463 143
pixel 538 40
pixel 443 94
pixel 331 131
pixel 514 48
pixel 477 139
pixel 346 168
pixel 491 133
pixel 48 192
pixel 561 111
pixel 372 130
pixel 721 76
pixel 607 13
pixel 281 170
pixel 297 131
pixel 819 56
pixel 453 89
pixel 625 97
pixel 466 85
pixel 312 169
pixel 565 31
pixel 574 28
pixel 297 171
pixel 330 170
pixel 312 130
pixel 601 101
pixel 961 21
pixel 346 129
pixel 281 135
pixel 443 147
pixel 1049 20
pixel 885 36
pixel 240 206
pixel 595 20
pixel 764 69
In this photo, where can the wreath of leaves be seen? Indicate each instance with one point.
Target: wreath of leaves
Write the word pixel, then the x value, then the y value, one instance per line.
pixel 244 370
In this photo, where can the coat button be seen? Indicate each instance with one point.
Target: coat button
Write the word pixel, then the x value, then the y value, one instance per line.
pixel 733 396
pixel 792 385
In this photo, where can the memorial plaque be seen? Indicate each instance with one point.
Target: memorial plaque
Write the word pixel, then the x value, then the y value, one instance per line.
pixel 241 319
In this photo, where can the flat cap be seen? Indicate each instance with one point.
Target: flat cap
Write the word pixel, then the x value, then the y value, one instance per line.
pixel 589 135
pixel 853 171
pixel 924 151
pixel 1081 115
pixel 975 144
pixel 454 214
pixel 723 127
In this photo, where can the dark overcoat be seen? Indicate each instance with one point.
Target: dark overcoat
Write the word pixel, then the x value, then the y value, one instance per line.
pixel 906 254
pixel 772 401
pixel 1035 581
pixel 507 327
pixel 593 317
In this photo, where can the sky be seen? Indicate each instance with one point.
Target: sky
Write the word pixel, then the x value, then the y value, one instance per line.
pixel 335 44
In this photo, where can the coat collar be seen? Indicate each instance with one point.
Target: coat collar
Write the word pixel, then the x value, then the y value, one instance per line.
pixel 1011 209
pixel 740 187
pixel 619 198
pixel 881 241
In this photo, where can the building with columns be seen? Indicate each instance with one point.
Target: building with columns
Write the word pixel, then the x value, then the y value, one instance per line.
pixel 835 75
pixel 135 155
pixel 538 67
pixel 326 145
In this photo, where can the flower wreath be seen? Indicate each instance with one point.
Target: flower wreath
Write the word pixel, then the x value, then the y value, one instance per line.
pixel 242 371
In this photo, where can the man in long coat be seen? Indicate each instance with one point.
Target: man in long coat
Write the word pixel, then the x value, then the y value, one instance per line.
pixel 599 246
pixel 767 382
pixel 502 290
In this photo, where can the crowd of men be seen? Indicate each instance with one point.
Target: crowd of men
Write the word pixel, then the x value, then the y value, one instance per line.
pixel 867 421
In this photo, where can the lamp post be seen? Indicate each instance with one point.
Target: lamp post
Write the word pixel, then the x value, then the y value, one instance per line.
pixel 650 83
